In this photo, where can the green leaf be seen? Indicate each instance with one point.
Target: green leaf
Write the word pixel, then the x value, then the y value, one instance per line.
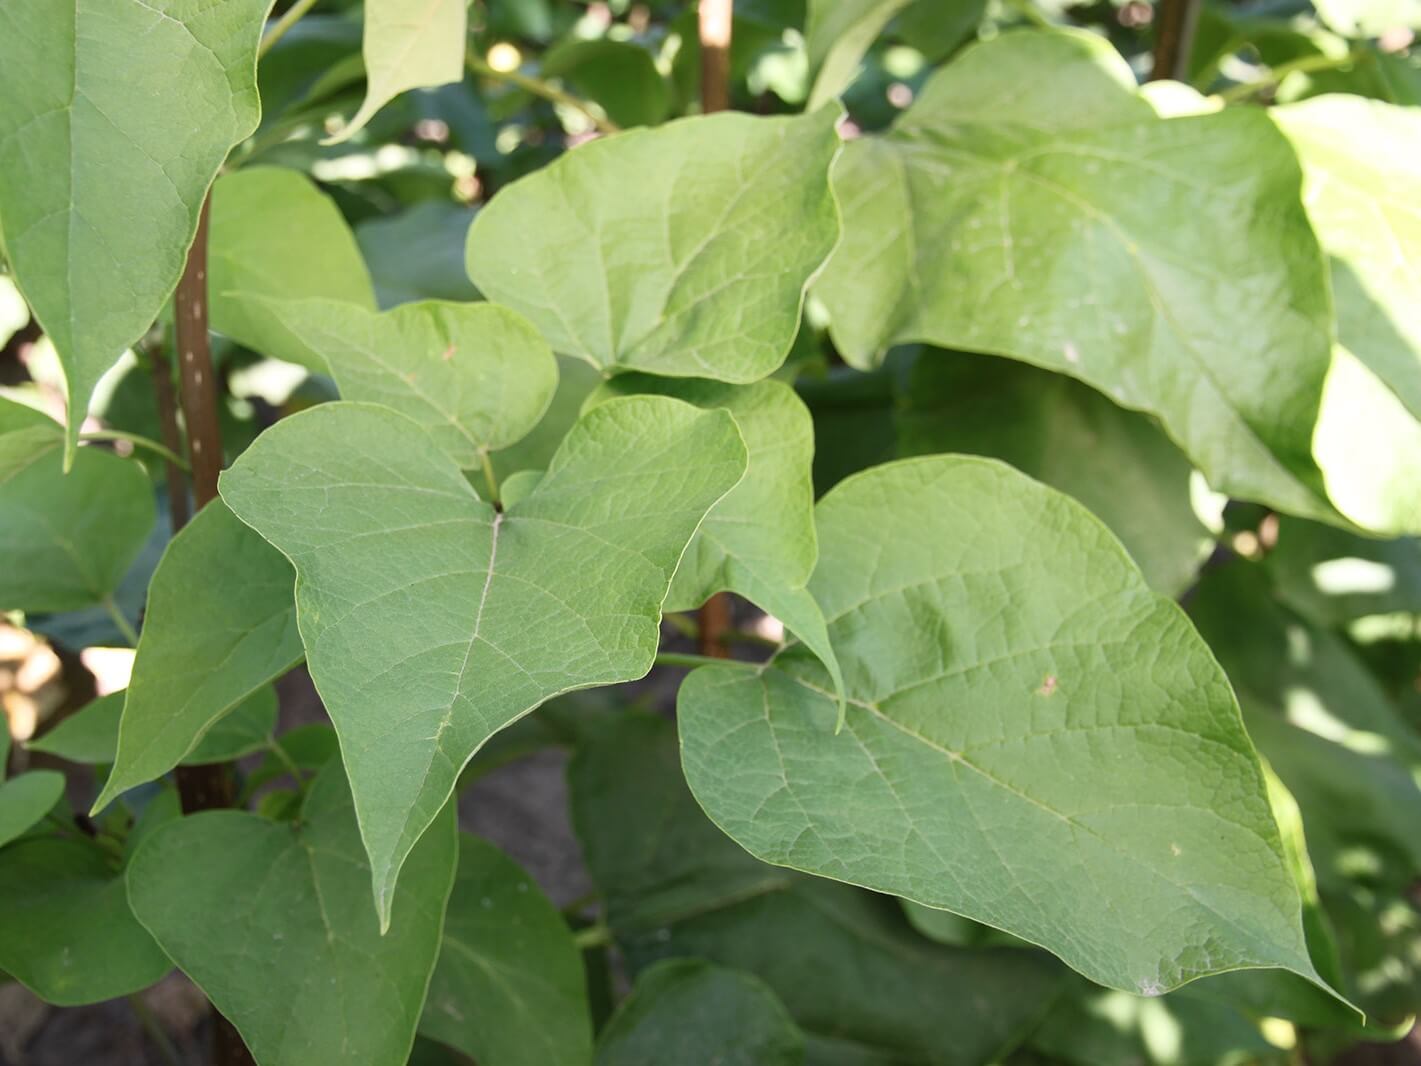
pixel 475 376
pixel 1362 182
pixel 298 964
pixel 26 799
pixel 66 932
pixel 1116 462
pixel 91 735
pixel 408 44
pixel 855 977
pixel 275 236
pixel 991 764
pixel 1331 576
pixel 117 115
pixel 430 621
pixel 682 250
pixel 212 636
pixel 67 539
pixel 1369 18
pixel 1031 204
pixel 838 34
pixel 418 254
pixel 686 1010
pixel 576 382
pixel 509 988
pixel 620 76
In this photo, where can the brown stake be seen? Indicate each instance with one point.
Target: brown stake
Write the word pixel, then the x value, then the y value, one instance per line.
pixel 1174 39
pixel 715 54
pixel 172 438
pixel 714 617
pixel 207 787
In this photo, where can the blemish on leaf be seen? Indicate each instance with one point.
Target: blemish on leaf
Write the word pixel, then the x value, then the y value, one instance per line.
pixel 1175 850
pixel 448 353
pixel 1048 686
pixel 1072 354
pixel 1150 987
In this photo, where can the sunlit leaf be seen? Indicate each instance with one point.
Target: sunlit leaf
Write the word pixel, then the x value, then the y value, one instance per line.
pixel 682 250
pixel 117 115
pixel 838 33
pixel 431 621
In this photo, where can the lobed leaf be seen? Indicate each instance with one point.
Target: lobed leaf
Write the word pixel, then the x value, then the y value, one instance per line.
pixel 509 988
pixel 107 148
pixel 1035 740
pixel 682 250
pixel 212 636
pixel 431 621
pixel 299 963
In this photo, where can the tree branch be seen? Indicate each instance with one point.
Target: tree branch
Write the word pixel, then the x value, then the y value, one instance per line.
pixel 1174 39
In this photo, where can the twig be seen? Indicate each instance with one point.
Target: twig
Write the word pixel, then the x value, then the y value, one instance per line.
pixel 285 22
pixel 120 622
pixel 715 28
pixel 172 457
pixel 1174 39
pixel 197 384
pixel 541 88
pixel 1305 65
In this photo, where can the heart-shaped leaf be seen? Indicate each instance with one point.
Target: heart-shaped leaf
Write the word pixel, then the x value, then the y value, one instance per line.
pixel 111 142
pixel 297 963
pixel 475 376
pixel 408 44
pixel 682 250
pixel 509 989
pixel 212 636
pixel 431 621
pixel 1035 740
pixel 1032 204
pixel 862 985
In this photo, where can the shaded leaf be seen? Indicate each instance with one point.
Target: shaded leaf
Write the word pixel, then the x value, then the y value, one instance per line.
pixel 275 236
pixel 26 799
pixel 861 984
pixel 298 964
pixel 682 250
pixel 619 75
pixel 1116 462
pixel 1331 576
pixel 66 932
pixel 509 987
pixel 430 621
pixel 686 1010
pixel 111 141
pixel 991 764
pixel 418 254
pixel 91 735
pixel 408 44
pixel 1016 209
pixel 67 539
pixel 212 636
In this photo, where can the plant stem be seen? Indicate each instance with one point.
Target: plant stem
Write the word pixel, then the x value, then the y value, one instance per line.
pixel 1304 65
pixel 172 439
pixel 594 936
pixel 689 662
pixel 155 1032
pixel 278 30
pixel 489 475
pixel 197 385
pixel 173 458
pixel 1174 39
pixel 274 746
pixel 541 88
pixel 120 622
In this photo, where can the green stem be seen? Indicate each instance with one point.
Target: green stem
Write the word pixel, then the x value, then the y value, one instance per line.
pixel 1305 65
pixel 489 475
pixel 594 936
pixel 120 622
pixel 584 900
pixel 541 88
pixel 690 662
pixel 139 441
pixel 278 30
pixel 155 1031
